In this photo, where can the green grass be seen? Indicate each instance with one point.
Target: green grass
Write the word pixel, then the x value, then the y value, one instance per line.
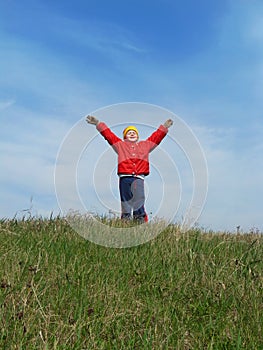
pixel 191 290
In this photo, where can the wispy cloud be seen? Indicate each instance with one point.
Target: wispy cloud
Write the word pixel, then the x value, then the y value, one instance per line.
pixel 108 40
pixel 29 144
pixel 6 104
pixel 234 180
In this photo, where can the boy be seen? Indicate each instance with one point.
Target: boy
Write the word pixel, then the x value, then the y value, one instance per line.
pixel 133 164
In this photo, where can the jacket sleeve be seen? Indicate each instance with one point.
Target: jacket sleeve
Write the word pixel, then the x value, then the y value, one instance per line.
pixel 108 134
pixel 156 137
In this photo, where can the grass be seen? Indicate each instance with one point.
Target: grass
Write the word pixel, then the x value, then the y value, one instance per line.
pixel 182 290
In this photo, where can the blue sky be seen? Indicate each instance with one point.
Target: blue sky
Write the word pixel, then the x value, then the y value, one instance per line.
pixel 201 60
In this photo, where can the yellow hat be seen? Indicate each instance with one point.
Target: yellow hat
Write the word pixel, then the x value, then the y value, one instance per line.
pixel 131 127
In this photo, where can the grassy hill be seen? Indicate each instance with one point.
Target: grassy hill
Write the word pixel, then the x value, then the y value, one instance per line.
pixel 191 290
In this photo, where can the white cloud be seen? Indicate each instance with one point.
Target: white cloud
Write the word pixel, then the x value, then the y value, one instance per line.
pixel 32 74
pixel 6 104
pixel 29 145
pixel 102 36
pixel 235 182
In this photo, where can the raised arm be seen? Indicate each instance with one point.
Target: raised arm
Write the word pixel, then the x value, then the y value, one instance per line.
pixel 104 130
pixel 92 120
pixel 168 123
pixel 158 135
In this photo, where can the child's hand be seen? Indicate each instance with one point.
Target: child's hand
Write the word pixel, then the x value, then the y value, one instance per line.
pixel 91 120
pixel 168 123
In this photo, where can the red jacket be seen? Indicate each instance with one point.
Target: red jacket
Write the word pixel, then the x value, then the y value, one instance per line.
pixel 133 158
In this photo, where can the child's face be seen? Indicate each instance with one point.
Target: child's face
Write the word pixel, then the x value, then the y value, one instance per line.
pixel 131 136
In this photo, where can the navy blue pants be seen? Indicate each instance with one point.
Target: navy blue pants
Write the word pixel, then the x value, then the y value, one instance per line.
pixel 132 198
